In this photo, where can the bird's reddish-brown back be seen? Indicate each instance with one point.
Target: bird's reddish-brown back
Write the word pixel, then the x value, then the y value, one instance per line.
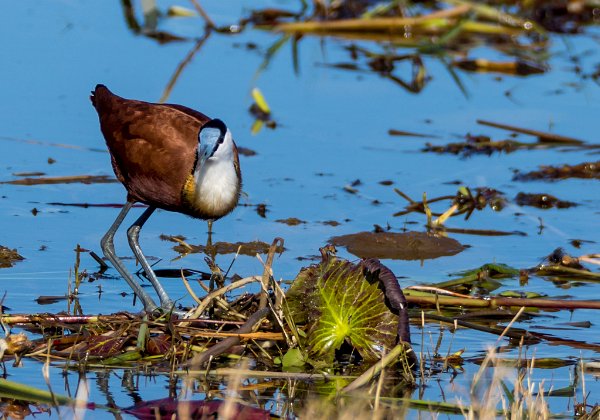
pixel 153 146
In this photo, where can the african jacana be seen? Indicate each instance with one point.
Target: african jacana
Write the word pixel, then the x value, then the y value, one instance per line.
pixel 169 157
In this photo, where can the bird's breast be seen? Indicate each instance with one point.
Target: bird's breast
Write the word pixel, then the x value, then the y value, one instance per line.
pixel 212 191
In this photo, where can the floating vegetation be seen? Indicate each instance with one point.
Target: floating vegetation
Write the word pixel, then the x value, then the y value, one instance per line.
pixel 291 221
pixel 394 132
pixel 465 201
pixel 542 201
pixel 244 248
pixel 261 112
pixel 83 179
pixel 339 304
pixel 333 307
pixel 518 67
pixel 586 170
pixel 560 264
pixel 8 257
pixel 476 145
pixel 289 349
pixel 543 137
pixel 483 144
pixel 398 246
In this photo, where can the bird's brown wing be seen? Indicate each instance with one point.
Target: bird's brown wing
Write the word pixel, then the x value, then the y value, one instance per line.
pixel 191 112
pixel 153 146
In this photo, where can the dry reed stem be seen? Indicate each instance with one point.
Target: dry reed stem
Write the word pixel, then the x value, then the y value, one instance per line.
pixel 372 24
pixel 439 291
pixel 201 12
pixel 376 368
pixel 196 312
pixel 496 302
pixel 181 66
pixel 189 289
pixel 262 374
pixel 259 335
pixel 268 272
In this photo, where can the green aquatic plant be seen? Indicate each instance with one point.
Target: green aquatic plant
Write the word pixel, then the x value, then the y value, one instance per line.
pixel 340 304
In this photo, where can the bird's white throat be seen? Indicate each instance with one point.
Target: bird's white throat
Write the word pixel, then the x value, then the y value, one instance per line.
pixel 217 187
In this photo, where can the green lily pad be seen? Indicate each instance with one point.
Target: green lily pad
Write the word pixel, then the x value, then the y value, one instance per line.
pixel 340 305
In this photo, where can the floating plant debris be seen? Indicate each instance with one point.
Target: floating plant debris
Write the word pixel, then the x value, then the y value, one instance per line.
pixel 244 151
pixel 35 173
pixel 398 246
pixel 542 201
pixel 542 136
pixel 49 300
pixel 195 409
pixel 482 144
pixel 291 221
pixel 466 201
pixel 84 179
pixel 8 257
pixel 586 170
pixel 361 305
pixel 394 132
pixel 261 111
pixel 245 248
pixel 518 67
pixel 475 145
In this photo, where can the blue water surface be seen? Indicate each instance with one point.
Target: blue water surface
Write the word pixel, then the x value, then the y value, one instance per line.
pixel 332 130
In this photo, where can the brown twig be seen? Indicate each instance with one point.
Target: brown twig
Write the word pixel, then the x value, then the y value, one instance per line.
pixel 188 58
pixel 377 367
pixel 542 136
pixel 201 12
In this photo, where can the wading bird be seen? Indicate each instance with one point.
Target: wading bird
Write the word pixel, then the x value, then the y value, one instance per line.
pixel 169 157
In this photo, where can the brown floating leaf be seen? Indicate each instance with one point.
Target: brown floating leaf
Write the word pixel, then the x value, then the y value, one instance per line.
pixel 49 300
pixel 84 179
pixel 399 246
pixel 158 345
pixel 105 345
pixel 8 257
pixel 543 201
pixel 29 173
pixel 291 221
pixel 247 248
pixel 585 170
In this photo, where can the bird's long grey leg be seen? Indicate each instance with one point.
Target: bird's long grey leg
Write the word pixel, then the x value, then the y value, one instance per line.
pixel 133 233
pixel 108 248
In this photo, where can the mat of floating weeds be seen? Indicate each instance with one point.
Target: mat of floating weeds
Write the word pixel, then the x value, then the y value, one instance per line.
pixel 256 324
